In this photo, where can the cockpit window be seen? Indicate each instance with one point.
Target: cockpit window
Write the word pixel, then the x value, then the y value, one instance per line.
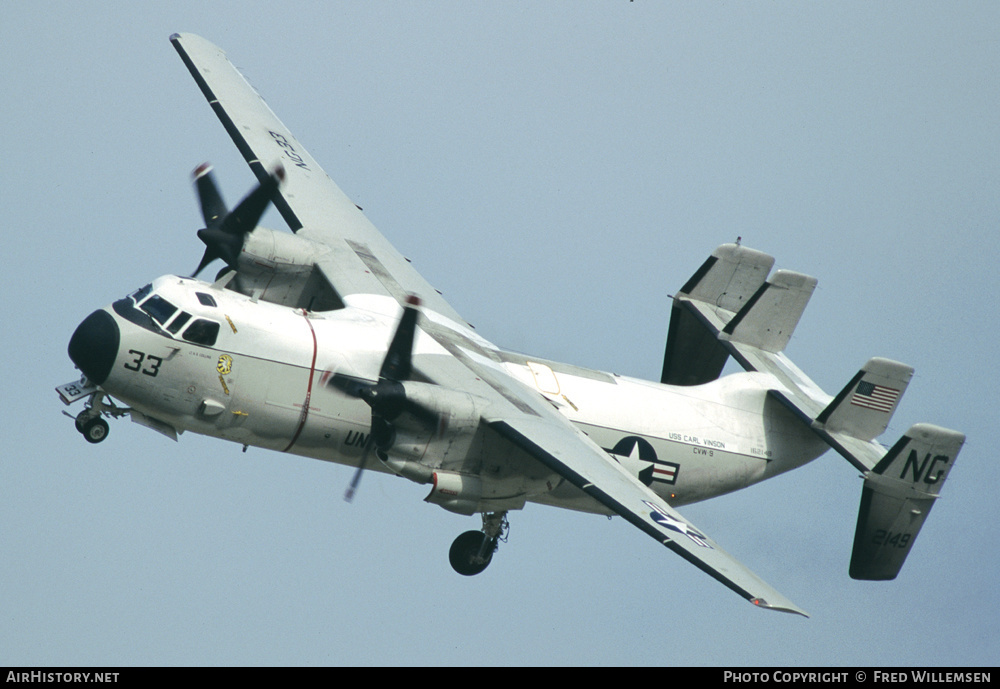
pixel 175 325
pixel 141 293
pixel 159 308
pixel 205 299
pixel 202 331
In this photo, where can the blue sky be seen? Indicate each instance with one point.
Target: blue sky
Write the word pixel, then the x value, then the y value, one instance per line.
pixel 557 170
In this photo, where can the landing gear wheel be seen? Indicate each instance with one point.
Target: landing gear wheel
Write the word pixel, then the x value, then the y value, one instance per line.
pixel 95 430
pixel 471 553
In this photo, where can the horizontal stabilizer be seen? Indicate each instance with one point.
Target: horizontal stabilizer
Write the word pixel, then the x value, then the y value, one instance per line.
pixel 719 289
pixel 865 405
pixel 767 320
pixel 897 496
pixel 729 277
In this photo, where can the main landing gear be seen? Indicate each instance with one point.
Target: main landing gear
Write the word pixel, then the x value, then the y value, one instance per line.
pixel 472 551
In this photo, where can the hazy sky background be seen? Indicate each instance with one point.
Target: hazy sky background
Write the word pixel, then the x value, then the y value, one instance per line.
pixel 557 170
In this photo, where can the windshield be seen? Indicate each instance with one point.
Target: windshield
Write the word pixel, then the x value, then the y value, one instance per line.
pixel 141 293
pixel 159 308
pixel 175 325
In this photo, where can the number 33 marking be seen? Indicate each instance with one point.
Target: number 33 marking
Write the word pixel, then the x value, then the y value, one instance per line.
pixel 153 363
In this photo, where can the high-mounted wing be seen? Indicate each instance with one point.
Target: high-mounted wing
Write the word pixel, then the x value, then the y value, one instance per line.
pixel 527 421
pixel 360 260
pixel 571 454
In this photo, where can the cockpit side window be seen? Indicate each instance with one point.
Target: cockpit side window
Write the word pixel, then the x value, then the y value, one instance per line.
pixel 175 325
pixel 202 331
pixel 159 308
pixel 206 299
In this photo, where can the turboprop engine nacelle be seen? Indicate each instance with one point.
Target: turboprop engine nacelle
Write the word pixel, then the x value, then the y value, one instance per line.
pixel 442 430
pixel 280 268
pixel 463 478
pixel 266 249
pixel 443 420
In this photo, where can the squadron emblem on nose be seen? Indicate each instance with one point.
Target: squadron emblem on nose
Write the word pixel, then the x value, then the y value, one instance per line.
pixel 225 364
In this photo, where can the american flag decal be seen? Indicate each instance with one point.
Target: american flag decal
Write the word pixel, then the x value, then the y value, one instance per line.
pixel 872 396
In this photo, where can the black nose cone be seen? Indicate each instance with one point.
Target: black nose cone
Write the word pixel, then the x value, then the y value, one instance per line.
pixel 94 346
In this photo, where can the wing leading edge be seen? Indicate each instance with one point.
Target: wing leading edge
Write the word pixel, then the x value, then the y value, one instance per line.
pixel 359 259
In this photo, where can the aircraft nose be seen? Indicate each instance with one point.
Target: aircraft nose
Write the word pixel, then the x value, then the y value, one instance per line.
pixel 94 345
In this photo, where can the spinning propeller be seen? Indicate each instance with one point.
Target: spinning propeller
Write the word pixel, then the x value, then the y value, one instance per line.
pixel 225 231
pixel 387 397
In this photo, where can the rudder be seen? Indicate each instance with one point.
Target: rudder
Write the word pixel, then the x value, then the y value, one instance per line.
pixel 897 496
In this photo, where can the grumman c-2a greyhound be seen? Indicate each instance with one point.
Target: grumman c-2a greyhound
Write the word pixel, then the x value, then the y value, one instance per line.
pixel 327 343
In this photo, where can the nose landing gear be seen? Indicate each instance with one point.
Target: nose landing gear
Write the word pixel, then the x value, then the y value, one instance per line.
pixel 473 551
pixel 94 429
pixel 90 423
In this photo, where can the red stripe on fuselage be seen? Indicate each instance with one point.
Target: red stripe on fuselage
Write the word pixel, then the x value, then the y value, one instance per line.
pixel 309 387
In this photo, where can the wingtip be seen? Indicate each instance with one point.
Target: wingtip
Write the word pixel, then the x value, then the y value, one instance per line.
pixel 761 603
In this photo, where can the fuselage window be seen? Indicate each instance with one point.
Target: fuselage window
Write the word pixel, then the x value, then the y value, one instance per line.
pixel 205 299
pixel 203 332
pixel 159 308
pixel 175 325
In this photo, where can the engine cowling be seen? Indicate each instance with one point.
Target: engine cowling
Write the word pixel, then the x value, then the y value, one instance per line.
pixel 448 441
pixel 280 268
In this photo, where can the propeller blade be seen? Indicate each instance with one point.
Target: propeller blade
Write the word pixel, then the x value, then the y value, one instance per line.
pixel 398 363
pixel 225 231
pixel 206 258
pixel 213 208
pixel 246 215
pixel 349 385
pixel 387 398
pixel 362 465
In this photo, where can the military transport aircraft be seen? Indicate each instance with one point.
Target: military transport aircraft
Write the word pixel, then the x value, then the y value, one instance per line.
pixel 327 343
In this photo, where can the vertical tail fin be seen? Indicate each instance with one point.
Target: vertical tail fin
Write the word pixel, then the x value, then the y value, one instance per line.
pixel 865 405
pixel 898 494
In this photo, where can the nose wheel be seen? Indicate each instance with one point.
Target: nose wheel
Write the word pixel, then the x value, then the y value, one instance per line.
pixel 94 429
pixel 473 551
pixel 90 422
